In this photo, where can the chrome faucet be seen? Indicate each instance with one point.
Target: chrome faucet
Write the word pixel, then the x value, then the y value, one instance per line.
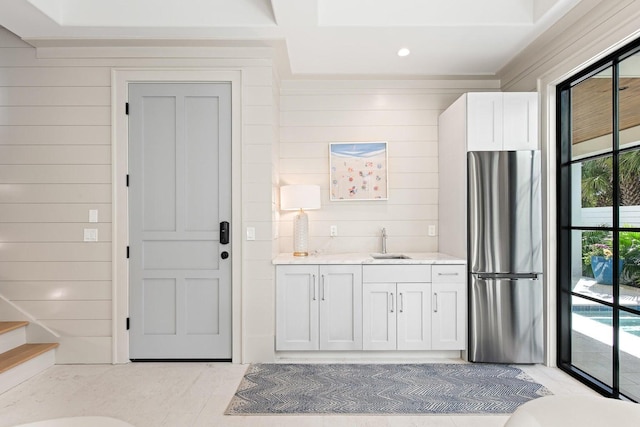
pixel 384 240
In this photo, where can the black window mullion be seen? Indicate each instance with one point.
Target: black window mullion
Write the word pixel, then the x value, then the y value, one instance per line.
pixel 615 80
pixel 564 223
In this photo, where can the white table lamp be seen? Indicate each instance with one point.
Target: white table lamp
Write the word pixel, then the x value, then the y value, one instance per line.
pixel 300 197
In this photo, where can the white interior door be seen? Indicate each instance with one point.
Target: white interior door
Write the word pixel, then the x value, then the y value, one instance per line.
pixel 179 194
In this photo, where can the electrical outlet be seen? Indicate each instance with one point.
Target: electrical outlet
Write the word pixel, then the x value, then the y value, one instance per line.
pixel 432 230
pixel 90 234
pixel 333 232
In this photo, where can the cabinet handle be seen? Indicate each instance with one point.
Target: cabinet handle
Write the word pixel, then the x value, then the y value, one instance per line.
pixel 401 298
pixel 314 287
pixel 435 302
pixel 391 302
pixel 448 274
pixel 324 289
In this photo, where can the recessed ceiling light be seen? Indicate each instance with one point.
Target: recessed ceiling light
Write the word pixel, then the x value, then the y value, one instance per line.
pixel 404 52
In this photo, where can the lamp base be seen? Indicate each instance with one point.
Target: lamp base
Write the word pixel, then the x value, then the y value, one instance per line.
pixel 301 234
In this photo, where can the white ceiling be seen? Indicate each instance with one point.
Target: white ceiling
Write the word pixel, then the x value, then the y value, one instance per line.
pixel 322 37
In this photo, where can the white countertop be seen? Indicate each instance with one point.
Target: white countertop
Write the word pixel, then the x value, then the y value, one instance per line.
pixel 365 258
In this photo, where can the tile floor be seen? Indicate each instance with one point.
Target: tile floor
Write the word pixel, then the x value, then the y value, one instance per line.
pixel 196 394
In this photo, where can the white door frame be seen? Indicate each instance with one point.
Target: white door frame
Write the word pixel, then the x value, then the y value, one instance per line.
pixel 120 79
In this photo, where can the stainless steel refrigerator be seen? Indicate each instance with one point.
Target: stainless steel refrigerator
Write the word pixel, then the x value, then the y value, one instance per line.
pixel 505 257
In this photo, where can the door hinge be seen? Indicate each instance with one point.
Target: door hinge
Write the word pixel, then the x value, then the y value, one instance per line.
pixel 127 323
pixel 126 108
pixel 127 180
pixel 127 252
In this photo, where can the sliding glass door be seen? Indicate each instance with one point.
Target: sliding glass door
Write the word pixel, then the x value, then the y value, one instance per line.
pixel 599 224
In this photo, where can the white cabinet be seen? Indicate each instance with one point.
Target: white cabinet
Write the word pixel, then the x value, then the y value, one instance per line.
pixel 396 307
pixel 520 121
pixel 318 307
pixel 424 311
pixel 484 121
pixel 396 316
pixel 297 308
pixel 501 121
pixel 449 317
pixel 370 307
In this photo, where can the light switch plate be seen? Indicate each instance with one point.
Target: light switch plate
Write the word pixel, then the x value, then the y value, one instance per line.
pixel 333 231
pixel 251 233
pixel 90 234
pixel 93 215
pixel 432 230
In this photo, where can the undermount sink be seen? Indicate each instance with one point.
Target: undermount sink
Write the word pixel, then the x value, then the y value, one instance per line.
pixel 389 256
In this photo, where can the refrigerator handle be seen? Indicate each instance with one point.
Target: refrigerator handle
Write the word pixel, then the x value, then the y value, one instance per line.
pixel 507 276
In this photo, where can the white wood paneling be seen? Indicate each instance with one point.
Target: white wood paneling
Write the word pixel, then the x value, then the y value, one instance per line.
pixel 55 116
pixel 358 133
pixel 55 135
pixel 83 328
pixel 56 271
pixel 84 349
pixel 360 118
pixel 55 96
pixel 54 212
pixel 51 232
pixel 52 290
pixel 37 251
pixel 55 174
pixel 55 154
pixel 68 310
pixel 364 102
pixel 56 193
pixel 55 76
pixel 257 134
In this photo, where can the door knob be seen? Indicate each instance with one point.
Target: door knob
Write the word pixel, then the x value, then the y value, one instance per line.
pixel 224 255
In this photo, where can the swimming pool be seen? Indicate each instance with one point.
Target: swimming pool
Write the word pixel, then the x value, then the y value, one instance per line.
pixel 628 322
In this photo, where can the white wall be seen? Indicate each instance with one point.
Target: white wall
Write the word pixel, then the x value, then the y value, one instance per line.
pixel 55 157
pixel 402 112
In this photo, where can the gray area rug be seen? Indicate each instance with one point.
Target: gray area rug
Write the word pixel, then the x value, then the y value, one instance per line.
pixel 383 389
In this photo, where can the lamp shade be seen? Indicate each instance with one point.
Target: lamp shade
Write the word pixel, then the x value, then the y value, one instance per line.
pixel 294 197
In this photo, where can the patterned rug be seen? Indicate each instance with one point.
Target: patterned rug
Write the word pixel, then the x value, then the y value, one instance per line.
pixel 383 389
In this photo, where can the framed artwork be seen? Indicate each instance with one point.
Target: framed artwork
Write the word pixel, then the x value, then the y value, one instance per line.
pixel 358 171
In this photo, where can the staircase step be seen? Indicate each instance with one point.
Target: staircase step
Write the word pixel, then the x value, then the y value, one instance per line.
pixel 24 362
pixel 10 326
pixel 12 335
pixel 25 352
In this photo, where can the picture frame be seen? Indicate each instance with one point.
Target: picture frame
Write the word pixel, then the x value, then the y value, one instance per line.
pixel 358 171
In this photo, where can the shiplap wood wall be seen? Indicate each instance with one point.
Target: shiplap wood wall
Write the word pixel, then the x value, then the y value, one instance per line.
pixel 55 165
pixel 402 112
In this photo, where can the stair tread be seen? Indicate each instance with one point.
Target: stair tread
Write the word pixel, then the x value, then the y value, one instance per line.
pixel 23 353
pixel 10 326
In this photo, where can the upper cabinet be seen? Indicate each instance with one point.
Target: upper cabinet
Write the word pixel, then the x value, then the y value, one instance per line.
pixel 500 120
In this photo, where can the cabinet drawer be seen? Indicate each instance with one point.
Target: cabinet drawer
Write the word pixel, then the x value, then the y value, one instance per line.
pixel 399 273
pixel 448 274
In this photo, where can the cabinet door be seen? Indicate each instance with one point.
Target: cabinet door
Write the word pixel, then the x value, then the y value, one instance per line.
pixel 520 119
pixel 414 316
pixel 340 307
pixel 449 316
pixel 297 307
pixel 484 121
pixel 379 316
